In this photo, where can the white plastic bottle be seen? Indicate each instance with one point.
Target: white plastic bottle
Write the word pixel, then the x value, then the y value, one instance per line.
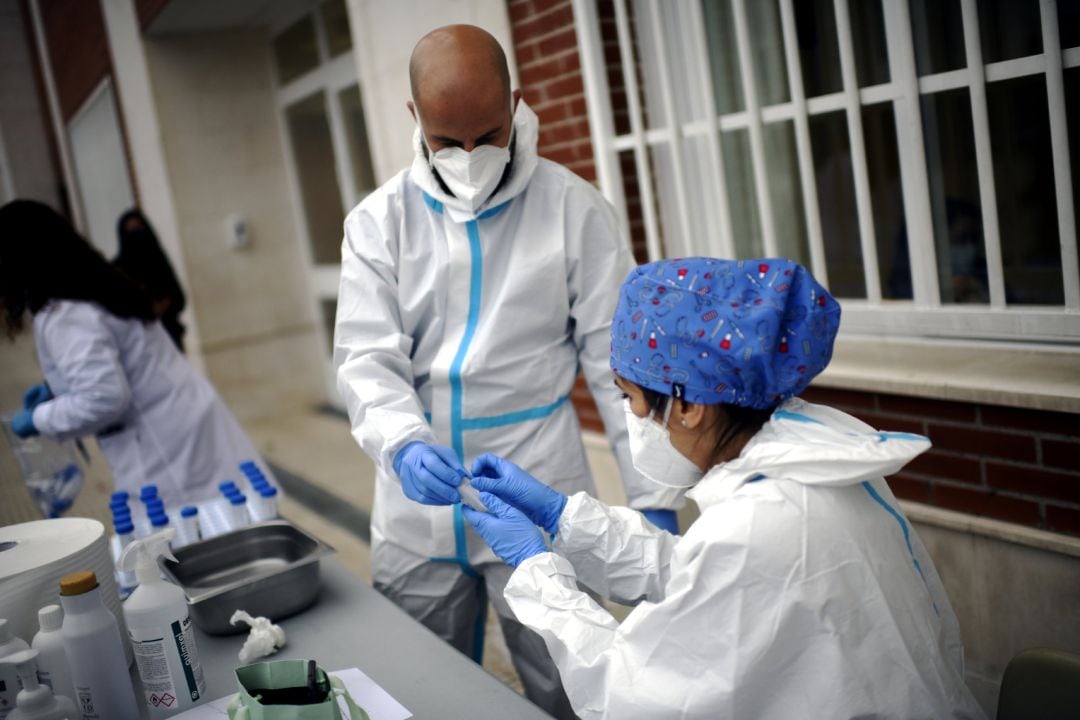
pixel 160 630
pixel 36 701
pixel 52 661
pixel 9 679
pixel 95 652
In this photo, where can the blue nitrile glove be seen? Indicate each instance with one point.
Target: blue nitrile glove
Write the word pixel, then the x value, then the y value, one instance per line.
pixel 510 534
pixel 429 474
pixel 663 519
pixel 36 395
pixel 540 503
pixel 23 424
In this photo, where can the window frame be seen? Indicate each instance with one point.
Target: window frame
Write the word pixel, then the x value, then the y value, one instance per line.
pixel 923 316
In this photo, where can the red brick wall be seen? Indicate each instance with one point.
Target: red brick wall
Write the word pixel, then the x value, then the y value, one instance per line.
pixel 78 50
pixel 1021 466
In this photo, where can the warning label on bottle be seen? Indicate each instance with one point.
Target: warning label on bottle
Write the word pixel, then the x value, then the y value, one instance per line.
pixel 153 667
pixel 165 685
pixel 184 637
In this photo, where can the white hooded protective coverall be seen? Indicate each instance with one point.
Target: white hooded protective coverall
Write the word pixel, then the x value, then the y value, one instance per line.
pixel 156 419
pixel 800 592
pixel 468 331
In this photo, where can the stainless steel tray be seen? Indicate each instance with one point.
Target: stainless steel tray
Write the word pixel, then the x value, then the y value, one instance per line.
pixel 269 569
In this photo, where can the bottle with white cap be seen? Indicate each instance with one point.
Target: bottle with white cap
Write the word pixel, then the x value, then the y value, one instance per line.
pixel 52 661
pixel 9 679
pixel 36 701
pixel 95 652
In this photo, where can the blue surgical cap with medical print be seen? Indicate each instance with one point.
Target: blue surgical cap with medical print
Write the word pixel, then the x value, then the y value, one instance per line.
pixel 742 332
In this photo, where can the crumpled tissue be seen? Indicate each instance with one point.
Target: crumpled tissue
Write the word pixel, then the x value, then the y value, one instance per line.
pixel 264 639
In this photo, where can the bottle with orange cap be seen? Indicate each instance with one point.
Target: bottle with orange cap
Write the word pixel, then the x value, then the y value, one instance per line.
pixel 95 652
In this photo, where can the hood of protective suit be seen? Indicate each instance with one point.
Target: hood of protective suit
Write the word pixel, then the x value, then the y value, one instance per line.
pixel 522 165
pixel 812 445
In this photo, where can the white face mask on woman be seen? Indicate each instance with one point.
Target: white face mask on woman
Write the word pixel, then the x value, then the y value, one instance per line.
pixel 653 454
pixel 471 176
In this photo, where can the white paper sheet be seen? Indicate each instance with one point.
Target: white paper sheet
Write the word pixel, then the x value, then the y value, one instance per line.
pixel 378 703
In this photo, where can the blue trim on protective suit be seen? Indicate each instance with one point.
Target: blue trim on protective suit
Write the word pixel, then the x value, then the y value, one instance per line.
pixel 883 436
pixel 433 203
pixel 494 421
pixel 907 536
pixel 788 415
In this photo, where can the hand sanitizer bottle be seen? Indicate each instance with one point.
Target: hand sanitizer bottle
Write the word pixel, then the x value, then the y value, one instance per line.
pixel 36 701
pixel 160 630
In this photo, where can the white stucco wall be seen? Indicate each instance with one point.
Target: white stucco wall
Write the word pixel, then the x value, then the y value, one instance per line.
pixel 219 129
pixel 384 33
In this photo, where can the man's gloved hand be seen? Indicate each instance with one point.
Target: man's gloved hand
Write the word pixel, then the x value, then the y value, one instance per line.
pixel 512 536
pixel 663 519
pixel 540 503
pixel 36 395
pixel 23 424
pixel 429 474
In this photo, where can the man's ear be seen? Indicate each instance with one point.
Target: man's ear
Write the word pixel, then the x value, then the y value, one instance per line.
pixel 412 109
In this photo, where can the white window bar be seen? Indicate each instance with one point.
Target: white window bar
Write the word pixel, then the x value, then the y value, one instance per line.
pixel 757 144
pixel 1018 67
pixel 863 206
pixel 1071 57
pixel 689 241
pixel 807 175
pixel 913 175
pixel 597 94
pixel 641 163
pixel 984 159
pixel 1059 143
pixel 720 206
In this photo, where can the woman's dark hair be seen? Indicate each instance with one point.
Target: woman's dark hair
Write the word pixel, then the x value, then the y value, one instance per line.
pixel 740 420
pixel 142 259
pixel 42 259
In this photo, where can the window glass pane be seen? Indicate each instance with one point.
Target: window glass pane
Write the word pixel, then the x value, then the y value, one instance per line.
pixel 1072 112
pixel 328 310
pixel 937 30
pixel 313 152
pixel 295 50
pixel 336 23
pixel 836 196
pixel 723 56
pixel 635 212
pixel 620 107
pixel 352 107
pixel 647 63
pixel 1026 196
pixel 785 192
pixel 1009 29
pixel 767 48
pixel 1069 22
pixel 954 196
pixel 819 52
pixel 868 37
pixel 887 200
pixel 742 197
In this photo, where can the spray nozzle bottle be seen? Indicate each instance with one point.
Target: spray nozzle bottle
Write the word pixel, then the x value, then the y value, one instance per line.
pixel 141 556
pixel 36 701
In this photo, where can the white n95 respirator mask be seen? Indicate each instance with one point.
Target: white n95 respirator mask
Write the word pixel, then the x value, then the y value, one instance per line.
pixel 471 176
pixel 653 454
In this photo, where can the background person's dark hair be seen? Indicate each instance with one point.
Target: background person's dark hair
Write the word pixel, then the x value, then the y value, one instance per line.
pixel 142 259
pixel 43 258
pixel 739 420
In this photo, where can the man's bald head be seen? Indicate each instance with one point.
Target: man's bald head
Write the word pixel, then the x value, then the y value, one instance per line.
pixel 456 60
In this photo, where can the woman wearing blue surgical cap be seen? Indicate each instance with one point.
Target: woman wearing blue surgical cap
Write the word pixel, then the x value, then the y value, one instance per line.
pixel 801 591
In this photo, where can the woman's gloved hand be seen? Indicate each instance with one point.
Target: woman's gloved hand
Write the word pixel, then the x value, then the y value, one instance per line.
pixel 511 535
pixel 540 503
pixel 36 395
pixel 23 424
pixel 663 519
pixel 429 474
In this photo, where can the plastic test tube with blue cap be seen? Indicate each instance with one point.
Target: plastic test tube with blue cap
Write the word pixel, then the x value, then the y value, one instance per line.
pixel 187 527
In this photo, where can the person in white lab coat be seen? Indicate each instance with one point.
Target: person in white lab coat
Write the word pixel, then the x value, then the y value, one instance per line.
pixel 474 284
pixel 110 369
pixel 800 592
